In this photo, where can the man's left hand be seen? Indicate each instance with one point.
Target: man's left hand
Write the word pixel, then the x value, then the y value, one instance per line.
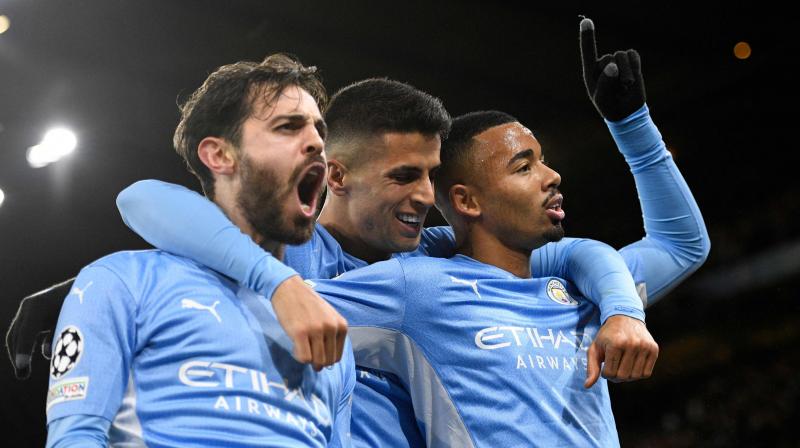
pixel 626 349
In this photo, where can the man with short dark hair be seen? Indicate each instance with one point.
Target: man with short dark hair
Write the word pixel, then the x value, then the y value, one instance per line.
pixel 490 355
pixel 153 349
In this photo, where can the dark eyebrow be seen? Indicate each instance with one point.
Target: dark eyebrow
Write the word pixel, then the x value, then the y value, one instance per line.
pixel 290 117
pixel 319 123
pixel 404 168
pixel 520 155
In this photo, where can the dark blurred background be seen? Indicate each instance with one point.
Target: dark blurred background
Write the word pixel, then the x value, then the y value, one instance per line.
pixel 112 71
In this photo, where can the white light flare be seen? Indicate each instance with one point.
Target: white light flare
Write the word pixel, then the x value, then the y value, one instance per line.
pixel 5 24
pixel 2 197
pixel 56 144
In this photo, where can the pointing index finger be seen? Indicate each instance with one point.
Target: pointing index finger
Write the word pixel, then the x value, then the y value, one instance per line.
pixel 588 46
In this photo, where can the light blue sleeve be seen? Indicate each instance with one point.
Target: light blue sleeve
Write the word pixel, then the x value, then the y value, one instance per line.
pixel 92 353
pixel 597 270
pixel 178 220
pixel 78 431
pixel 370 296
pixel 676 241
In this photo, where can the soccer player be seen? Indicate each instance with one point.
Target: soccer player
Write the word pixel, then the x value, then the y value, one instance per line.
pixel 153 349
pixel 364 194
pixel 490 355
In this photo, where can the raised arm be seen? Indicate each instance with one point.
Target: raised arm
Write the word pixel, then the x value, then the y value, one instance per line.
pixel 676 241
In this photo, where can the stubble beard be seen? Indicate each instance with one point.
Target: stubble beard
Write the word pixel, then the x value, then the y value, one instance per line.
pixel 553 234
pixel 262 202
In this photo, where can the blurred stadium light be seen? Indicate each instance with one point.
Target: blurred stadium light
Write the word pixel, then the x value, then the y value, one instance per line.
pixel 5 24
pixel 56 144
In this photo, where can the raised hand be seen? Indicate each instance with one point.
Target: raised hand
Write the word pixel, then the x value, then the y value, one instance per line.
pixel 614 82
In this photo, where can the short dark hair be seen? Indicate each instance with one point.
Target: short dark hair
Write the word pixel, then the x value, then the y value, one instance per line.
pixel 377 105
pixel 456 150
pixel 226 99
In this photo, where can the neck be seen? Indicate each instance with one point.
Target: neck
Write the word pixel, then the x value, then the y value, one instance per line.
pixel 487 248
pixel 335 219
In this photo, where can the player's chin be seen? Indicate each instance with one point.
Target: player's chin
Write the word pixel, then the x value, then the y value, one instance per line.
pixel 405 243
pixel 302 229
pixel 554 233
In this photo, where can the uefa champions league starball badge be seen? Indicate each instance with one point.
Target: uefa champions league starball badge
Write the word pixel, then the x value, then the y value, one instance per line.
pixel 67 352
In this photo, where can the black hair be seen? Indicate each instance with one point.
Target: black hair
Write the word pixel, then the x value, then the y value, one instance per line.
pixel 377 105
pixel 456 149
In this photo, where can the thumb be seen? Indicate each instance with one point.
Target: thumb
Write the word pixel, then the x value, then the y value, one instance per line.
pixel 594 357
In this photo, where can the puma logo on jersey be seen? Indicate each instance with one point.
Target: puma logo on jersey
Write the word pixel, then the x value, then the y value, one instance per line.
pixel 191 304
pixel 473 284
pixel 79 292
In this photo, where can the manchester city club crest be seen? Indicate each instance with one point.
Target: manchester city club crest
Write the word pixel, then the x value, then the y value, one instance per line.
pixel 558 293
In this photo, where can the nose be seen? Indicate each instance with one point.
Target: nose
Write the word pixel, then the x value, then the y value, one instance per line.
pixel 423 193
pixel 314 143
pixel 551 179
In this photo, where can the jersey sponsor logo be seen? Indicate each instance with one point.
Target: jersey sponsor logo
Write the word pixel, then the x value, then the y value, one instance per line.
pixel 207 374
pixel 68 389
pixel 546 348
pixel 493 338
pixel 79 292
pixel 67 351
pixel 472 284
pixel 558 293
pixel 195 305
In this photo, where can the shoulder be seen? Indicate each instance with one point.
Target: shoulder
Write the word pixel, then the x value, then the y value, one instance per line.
pixel 134 262
pixel 142 271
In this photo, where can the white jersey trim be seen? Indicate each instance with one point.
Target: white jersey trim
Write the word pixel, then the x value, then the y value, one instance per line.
pixel 126 429
pixel 391 351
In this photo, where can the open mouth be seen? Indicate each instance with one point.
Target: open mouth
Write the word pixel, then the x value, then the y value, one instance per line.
pixel 411 220
pixel 309 188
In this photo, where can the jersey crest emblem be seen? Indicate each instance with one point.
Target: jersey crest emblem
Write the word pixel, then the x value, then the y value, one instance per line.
pixel 558 293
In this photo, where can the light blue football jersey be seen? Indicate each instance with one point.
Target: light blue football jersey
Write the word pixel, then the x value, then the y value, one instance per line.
pixel 382 407
pixel 175 354
pixel 489 359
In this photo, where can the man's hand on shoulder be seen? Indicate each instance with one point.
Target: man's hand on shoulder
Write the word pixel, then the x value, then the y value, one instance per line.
pixel 626 349
pixel 317 330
